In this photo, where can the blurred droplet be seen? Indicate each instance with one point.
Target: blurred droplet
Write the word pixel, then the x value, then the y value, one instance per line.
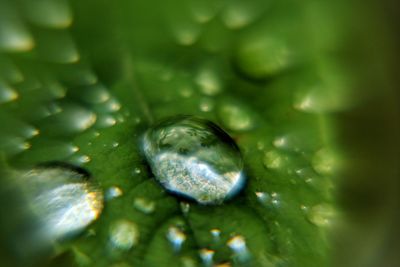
pixel 14 36
pixel 124 234
pixel 236 116
pixel 215 233
pixel 62 200
pixel 48 13
pixel 176 237
pixel 262 57
pixel 206 104
pixel 322 215
pixel 238 14
pixel 69 119
pixel 113 192
pixel 206 256
pixel 238 246
pixel 208 81
pixel 195 158
pixel 273 160
pixel 144 205
pixel 7 94
pixel 325 162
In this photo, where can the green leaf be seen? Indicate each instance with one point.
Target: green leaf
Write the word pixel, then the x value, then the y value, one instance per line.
pixel 86 91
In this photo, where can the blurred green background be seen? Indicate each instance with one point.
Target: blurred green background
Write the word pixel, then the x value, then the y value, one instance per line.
pixel 307 89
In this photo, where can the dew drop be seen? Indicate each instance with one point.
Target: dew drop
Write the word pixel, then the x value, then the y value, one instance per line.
pixel 144 205
pixel 208 81
pixel 206 256
pixel 113 192
pixel 262 57
pixel 240 14
pixel 69 119
pixel 124 234
pixel 273 160
pixel 106 121
pixel 322 215
pixel 7 94
pixel 325 162
pixel 185 207
pixel 176 237
pixel 215 233
pixel 238 245
pixel 206 104
pixel 236 116
pixel 62 199
pixel 193 157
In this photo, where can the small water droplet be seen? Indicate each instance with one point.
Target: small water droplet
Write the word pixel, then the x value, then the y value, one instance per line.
pixel 7 94
pixel 82 159
pixel 206 256
pixel 262 197
pixel 208 81
pixel 239 14
pixel 236 116
pixel 144 205
pixel 322 215
pixel 187 33
pixel 215 233
pixel 124 234
pixel 273 160
pixel 68 119
pixel 195 158
pixel 113 192
pixel 261 57
pixel 325 161
pixel 115 144
pixel 185 207
pixel 136 171
pixel 176 237
pixel 105 121
pixel 186 92
pixel 206 104
pixel 238 245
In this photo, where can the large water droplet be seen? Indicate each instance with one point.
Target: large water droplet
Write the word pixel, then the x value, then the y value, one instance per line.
pixel 194 158
pixel 62 199
pixel 238 246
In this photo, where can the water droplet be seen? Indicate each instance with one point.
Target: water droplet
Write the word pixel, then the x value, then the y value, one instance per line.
pixel 136 171
pixel 206 256
pixel 124 234
pixel 273 160
pixel 187 33
pixel 69 119
pixel 262 57
pixel 325 162
pixel 215 233
pixel 176 237
pixel 239 14
pixel 208 81
pixel 206 104
pixel 195 158
pixel 62 199
pixel 82 159
pixel 186 92
pixel 238 245
pixel 262 197
pixel 115 144
pixel 144 205
pixel 185 207
pixel 113 192
pixel 236 116
pixel 48 13
pixel 105 121
pixel 7 94
pixel 14 36
pixel 322 215
pixel 94 94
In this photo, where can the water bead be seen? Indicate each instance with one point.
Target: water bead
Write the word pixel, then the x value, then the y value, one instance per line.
pixel 194 158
